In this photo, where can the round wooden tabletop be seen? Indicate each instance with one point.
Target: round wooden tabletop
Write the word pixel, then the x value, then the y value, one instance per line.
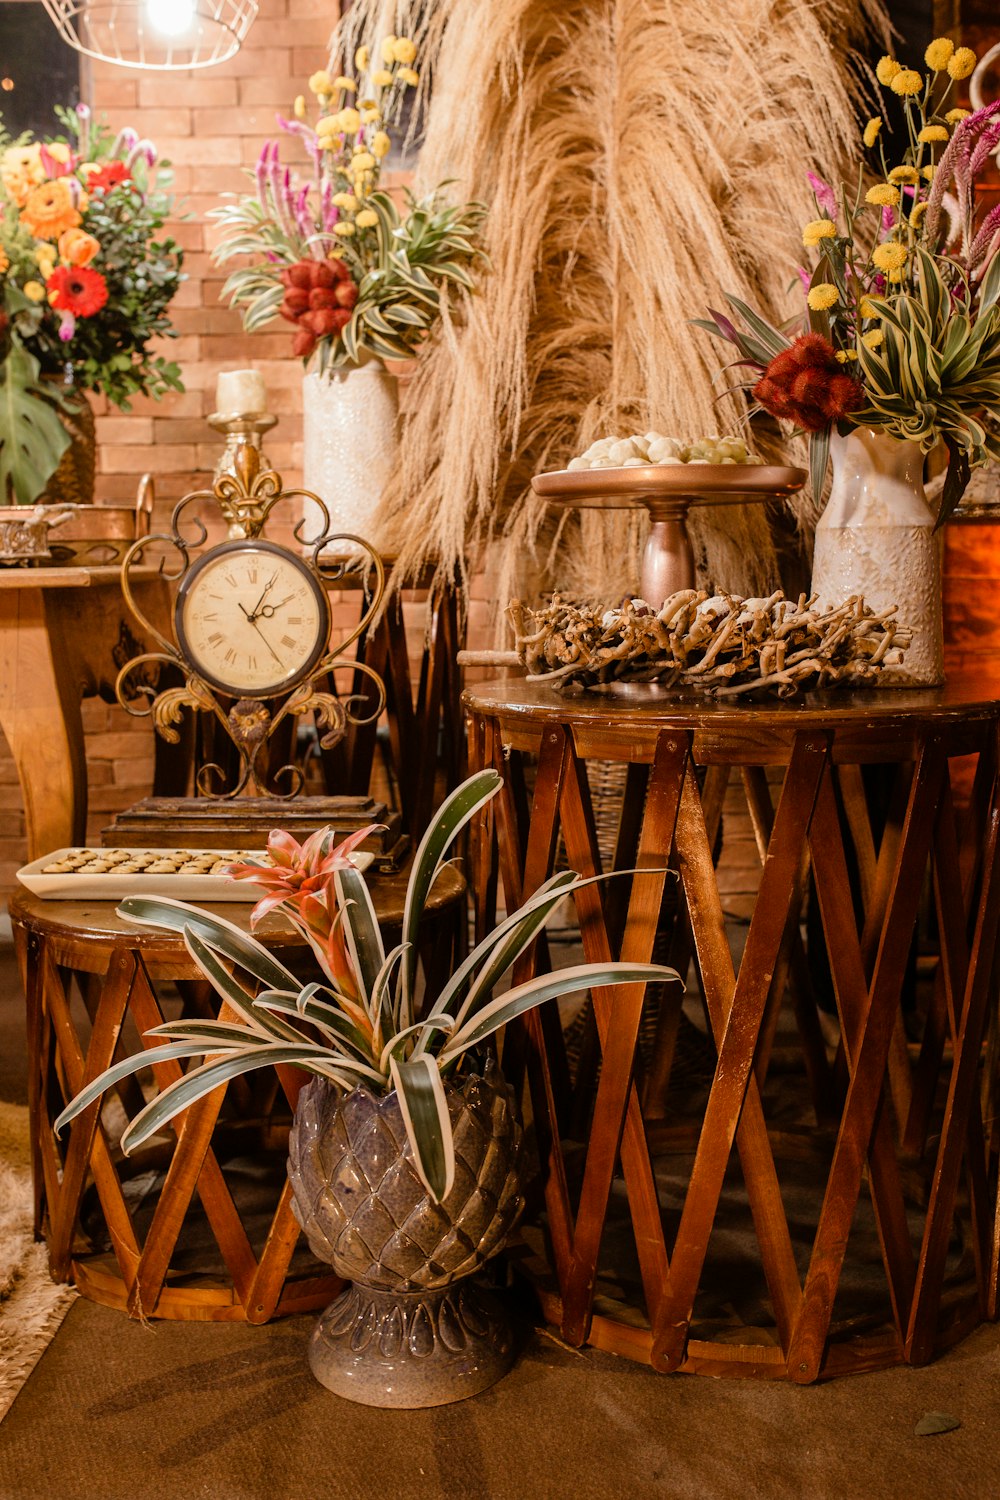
pixel 97 923
pixel 864 725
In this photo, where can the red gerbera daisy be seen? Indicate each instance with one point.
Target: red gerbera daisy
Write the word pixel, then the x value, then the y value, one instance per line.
pixel 77 290
pixel 108 176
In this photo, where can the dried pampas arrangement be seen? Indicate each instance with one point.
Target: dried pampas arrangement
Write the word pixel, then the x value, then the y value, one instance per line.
pixel 637 158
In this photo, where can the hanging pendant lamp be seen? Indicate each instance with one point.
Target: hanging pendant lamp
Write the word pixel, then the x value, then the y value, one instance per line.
pixel 154 34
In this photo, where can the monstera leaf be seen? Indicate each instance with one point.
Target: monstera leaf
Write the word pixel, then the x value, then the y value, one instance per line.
pixel 32 439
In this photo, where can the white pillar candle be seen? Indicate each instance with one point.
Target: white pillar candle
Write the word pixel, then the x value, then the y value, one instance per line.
pixel 240 391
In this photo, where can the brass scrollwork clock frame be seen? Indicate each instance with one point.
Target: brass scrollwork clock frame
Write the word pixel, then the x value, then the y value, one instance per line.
pixel 251 718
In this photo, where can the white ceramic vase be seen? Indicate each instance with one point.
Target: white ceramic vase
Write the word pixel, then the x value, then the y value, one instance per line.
pixel 349 444
pixel 876 538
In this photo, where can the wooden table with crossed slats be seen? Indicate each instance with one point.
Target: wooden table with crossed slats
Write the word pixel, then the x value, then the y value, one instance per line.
pixel 912 1123
pixel 92 982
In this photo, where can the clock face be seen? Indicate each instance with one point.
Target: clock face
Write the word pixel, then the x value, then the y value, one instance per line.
pixel 252 618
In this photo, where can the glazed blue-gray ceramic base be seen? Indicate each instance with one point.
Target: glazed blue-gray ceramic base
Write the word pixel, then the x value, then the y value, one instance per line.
pixel 411 1349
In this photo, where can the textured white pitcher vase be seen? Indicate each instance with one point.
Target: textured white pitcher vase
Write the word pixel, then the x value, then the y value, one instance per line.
pixel 876 537
pixel 349 444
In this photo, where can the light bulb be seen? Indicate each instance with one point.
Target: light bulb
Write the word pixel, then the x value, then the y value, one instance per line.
pixel 171 17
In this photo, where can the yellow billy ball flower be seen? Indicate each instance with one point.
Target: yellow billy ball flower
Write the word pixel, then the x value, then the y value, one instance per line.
pixel 906 175
pixel 340 82
pixel 844 356
pixel 871 131
pixel 299 107
pixel 907 82
pixel 361 59
pixel 380 144
pixel 867 308
pixel 938 54
pixel 369 116
pixel 367 219
pixel 896 276
pixel 889 256
pixel 931 133
pixel 928 172
pixel 387 49
pixel 381 78
pixel 320 83
pixel 954 115
pixel 34 291
pixel 916 217
pixel 346 201
pixel 962 63
pixel 350 121
pixel 329 125
pixel 410 76
pixel 873 339
pixel 883 195
pixel 362 161
pixel 816 230
pixel 887 68
pixel 403 50
pixel 822 296
pixel 344 230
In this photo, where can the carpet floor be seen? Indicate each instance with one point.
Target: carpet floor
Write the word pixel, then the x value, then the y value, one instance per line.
pixel 118 1411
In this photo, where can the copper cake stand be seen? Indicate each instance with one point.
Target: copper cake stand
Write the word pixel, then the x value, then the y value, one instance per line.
pixel 667 492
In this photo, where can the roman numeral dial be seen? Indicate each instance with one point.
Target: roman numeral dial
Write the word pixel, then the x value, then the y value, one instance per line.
pixel 251 618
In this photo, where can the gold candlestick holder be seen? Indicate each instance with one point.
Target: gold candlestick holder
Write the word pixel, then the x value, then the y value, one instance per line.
pixel 239 428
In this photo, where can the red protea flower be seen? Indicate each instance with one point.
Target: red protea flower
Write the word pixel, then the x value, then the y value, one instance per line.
pixel 806 384
pixel 108 176
pixel 77 290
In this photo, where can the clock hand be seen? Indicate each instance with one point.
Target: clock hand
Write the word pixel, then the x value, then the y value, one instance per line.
pixel 267 587
pixel 270 609
pixel 264 638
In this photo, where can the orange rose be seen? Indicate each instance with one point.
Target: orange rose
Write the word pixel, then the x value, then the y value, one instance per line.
pixel 77 247
pixel 49 210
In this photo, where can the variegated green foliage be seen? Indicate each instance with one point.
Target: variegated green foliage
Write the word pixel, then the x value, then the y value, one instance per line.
pixel 401 265
pixel 936 374
pixel 374 1036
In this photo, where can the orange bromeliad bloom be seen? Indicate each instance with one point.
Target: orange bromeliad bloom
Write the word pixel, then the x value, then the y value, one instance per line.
pixel 49 210
pixel 299 882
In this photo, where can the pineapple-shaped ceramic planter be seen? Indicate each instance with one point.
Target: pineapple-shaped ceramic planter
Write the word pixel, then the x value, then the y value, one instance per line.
pixel 412 1329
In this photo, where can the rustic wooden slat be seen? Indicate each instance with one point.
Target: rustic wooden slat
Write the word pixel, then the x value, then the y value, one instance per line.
pixel 618 1012
pixel 850 986
pixel 736 1006
pixel 954 1131
pixel 844 1182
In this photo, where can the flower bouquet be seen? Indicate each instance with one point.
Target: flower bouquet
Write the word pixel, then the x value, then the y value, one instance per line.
pixel 85 283
pixel 903 301
pixel 332 253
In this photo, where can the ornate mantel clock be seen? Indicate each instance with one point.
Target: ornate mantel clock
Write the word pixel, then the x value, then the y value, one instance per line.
pixel 252 643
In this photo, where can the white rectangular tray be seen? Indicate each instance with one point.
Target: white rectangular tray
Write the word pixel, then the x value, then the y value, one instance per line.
pixel 107 885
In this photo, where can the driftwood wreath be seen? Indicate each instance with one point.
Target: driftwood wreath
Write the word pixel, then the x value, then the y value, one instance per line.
pixel 722 645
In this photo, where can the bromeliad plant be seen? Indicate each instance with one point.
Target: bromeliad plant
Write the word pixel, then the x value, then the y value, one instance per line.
pixel 363 1027
pixel 333 254
pixel 904 302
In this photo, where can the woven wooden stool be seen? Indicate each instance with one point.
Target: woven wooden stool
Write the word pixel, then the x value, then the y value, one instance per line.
pixel 128 1231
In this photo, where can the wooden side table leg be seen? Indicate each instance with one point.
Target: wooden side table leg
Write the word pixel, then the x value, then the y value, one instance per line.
pixel 40 719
